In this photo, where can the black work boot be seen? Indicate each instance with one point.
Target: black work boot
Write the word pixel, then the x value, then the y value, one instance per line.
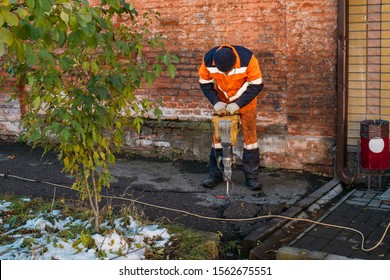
pixel 251 166
pixel 215 173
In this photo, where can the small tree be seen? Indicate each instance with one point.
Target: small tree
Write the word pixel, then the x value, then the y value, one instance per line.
pixel 82 70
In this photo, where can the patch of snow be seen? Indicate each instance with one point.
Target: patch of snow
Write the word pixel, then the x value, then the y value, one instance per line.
pixel 39 238
pixel 4 206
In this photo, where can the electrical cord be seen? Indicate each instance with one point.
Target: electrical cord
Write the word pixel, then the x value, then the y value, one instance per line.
pixel 7 175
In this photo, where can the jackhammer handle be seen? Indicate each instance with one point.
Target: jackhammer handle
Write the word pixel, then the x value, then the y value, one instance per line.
pixel 227 114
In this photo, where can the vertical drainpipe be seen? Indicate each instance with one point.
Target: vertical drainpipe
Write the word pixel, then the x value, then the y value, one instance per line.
pixel 342 92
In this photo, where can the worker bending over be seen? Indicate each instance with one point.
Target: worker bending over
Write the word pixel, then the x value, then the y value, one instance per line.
pixel 231 79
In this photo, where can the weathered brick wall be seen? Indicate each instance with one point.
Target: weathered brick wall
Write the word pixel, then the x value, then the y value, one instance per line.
pixel 9 109
pixel 295 42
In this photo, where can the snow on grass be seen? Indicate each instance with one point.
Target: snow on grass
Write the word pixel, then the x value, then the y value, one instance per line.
pixel 4 206
pixel 52 236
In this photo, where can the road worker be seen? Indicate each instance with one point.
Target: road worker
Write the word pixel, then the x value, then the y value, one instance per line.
pixel 230 77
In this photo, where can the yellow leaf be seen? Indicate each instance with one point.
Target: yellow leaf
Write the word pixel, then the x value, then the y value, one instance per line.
pixel 6 36
pixel 64 16
pixel 66 161
pixel 10 18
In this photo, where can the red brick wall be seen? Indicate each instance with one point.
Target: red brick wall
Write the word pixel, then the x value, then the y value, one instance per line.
pixel 295 42
pixel 9 109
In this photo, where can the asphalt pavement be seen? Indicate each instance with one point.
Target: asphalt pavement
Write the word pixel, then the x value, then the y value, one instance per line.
pixel 171 192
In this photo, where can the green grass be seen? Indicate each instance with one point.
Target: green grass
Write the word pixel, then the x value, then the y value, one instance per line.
pixel 188 244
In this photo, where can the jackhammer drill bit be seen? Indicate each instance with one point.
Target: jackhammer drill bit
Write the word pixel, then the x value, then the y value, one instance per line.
pixel 227 160
pixel 226 129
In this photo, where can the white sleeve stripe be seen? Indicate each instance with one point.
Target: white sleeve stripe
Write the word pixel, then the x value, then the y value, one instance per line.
pixel 258 81
pixel 203 81
pixel 224 92
pixel 239 92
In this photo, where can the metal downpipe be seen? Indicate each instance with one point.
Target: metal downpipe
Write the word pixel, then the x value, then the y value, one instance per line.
pixel 342 92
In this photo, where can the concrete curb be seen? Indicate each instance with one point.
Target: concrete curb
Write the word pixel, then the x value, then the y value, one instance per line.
pixel 291 253
pixel 272 229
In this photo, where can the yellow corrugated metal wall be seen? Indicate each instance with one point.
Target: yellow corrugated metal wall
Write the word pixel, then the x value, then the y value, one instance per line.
pixel 369 64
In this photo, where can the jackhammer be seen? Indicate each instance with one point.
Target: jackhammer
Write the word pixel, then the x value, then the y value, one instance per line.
pixel 226 129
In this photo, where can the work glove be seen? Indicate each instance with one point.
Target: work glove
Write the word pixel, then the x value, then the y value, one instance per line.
pixel 220 108
pixel 232 108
